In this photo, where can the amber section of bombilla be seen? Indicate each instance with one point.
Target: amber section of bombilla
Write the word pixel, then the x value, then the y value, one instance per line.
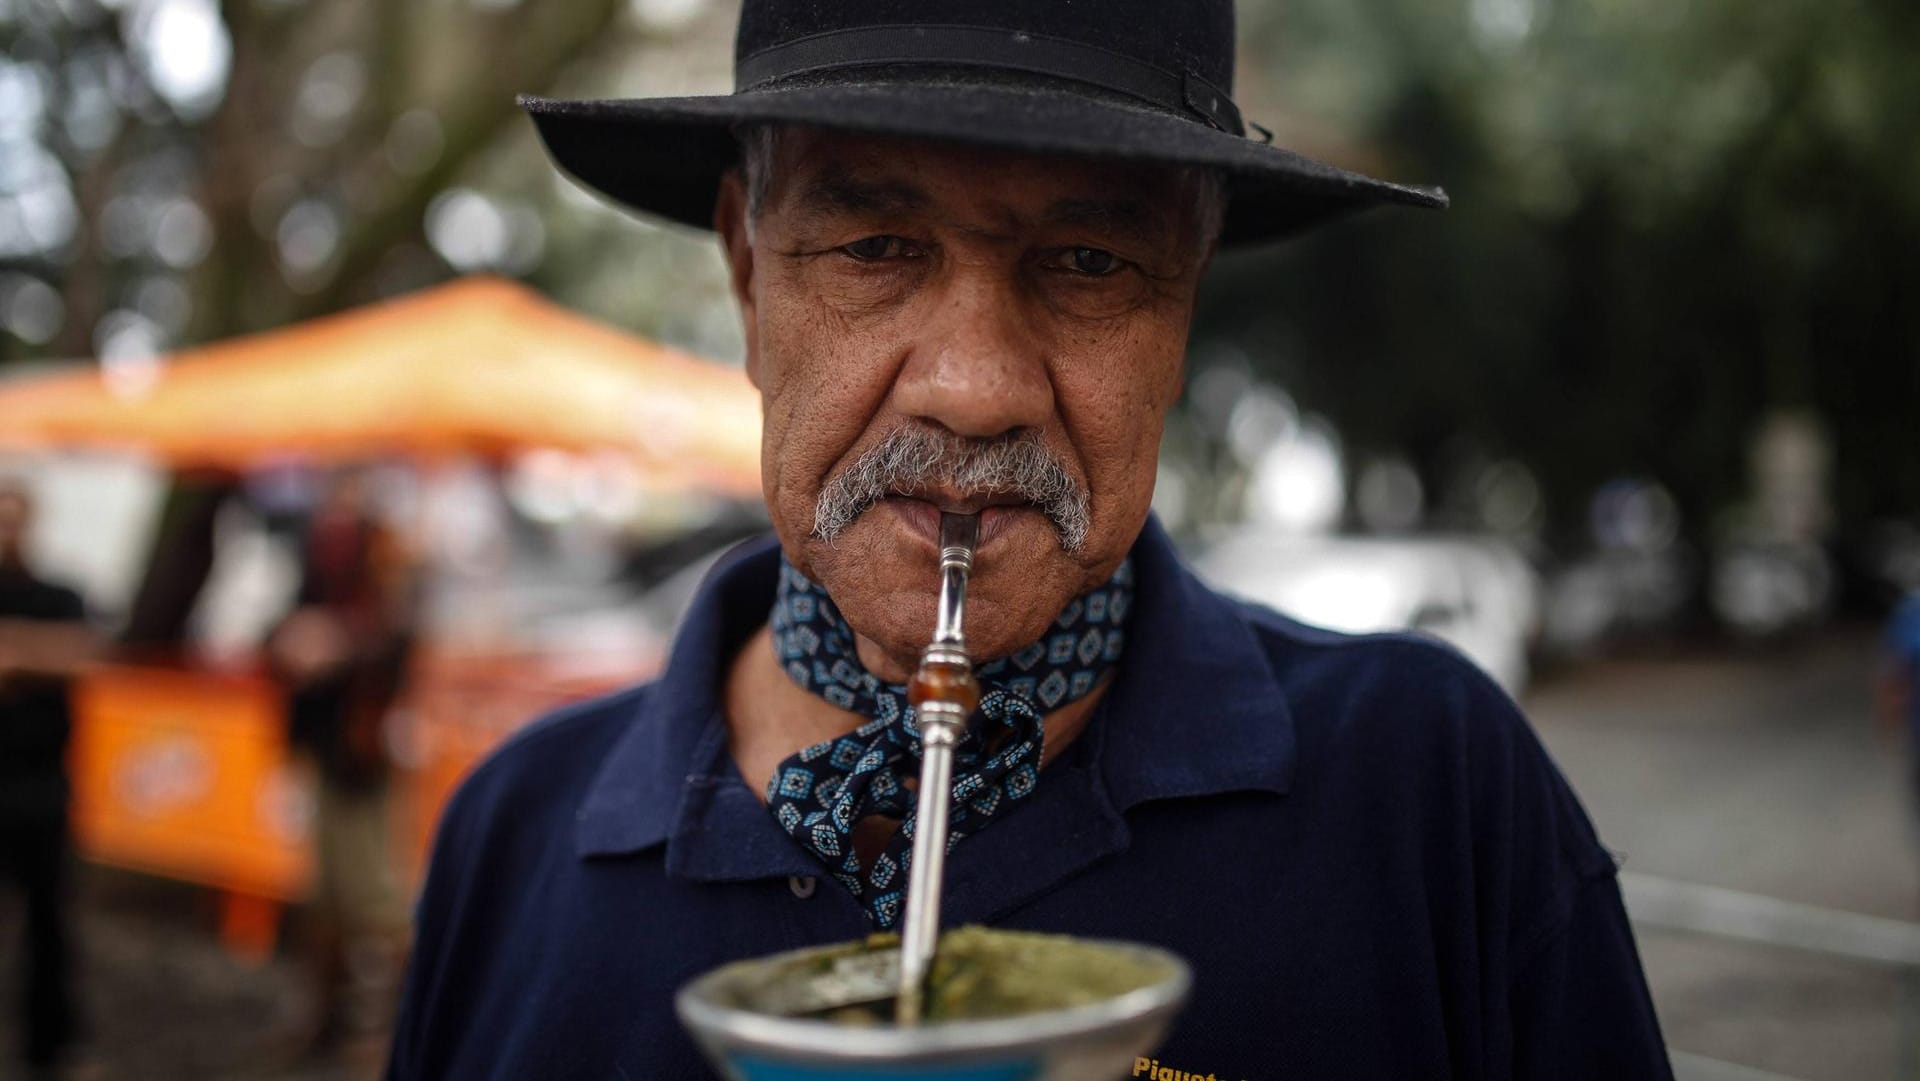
pixel 946 682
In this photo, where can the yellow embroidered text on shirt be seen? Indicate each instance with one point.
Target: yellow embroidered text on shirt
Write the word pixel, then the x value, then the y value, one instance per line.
pixel 1151 1069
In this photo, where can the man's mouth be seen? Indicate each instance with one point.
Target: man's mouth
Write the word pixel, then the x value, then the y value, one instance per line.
pixel 920 512
pixel 951 502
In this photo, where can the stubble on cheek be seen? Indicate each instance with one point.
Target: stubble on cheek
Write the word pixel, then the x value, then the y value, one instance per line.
pixel 1114 417
pixel 826 378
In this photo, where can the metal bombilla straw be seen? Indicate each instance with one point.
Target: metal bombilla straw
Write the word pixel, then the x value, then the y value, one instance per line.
pixel 943 693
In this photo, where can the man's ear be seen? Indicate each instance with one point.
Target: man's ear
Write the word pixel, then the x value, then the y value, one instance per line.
pixel 730 221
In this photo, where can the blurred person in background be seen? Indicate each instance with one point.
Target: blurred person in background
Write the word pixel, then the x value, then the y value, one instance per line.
pixel 342 656
pixel 1897 681
pixel 43 639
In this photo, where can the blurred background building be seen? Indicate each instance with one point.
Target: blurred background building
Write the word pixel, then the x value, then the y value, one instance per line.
pixel 1632 426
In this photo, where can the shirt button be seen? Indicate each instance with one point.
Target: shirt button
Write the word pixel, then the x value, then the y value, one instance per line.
pixel 801 885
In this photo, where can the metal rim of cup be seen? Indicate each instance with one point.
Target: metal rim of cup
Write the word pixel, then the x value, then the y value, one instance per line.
pixel 735 1029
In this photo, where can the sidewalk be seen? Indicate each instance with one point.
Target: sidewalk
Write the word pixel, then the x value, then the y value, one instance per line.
pixel 1762 773
pixel 162 1001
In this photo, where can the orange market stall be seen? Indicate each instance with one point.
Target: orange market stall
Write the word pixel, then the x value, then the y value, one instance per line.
pixel 481 366
pixel 183 771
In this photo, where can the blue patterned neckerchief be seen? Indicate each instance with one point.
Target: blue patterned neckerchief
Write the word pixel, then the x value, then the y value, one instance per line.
pixel 819 794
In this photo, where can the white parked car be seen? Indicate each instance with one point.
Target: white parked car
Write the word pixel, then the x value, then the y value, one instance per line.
pixel 1477 593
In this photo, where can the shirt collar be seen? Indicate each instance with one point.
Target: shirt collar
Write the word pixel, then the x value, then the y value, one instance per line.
pixel 1196 709
pixel 666 758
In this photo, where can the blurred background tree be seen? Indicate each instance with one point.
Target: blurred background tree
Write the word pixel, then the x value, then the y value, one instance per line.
pixel 1671 220
pixel 176 171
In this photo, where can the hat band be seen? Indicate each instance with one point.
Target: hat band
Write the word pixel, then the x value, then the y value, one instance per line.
pixel 975 46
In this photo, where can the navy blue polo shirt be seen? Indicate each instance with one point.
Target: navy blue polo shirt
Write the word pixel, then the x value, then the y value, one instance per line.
pixel 1357 842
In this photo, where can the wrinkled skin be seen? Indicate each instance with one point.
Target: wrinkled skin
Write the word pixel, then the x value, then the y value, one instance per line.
pixel 885 282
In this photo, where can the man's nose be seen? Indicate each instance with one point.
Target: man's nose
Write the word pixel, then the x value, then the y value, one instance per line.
pixel 978 367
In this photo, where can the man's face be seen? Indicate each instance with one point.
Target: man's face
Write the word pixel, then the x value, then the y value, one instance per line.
pixel 15 513
pixel 954 299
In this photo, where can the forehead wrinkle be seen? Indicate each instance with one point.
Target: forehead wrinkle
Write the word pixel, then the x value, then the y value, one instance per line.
pixel 836 189
pixel 1129 218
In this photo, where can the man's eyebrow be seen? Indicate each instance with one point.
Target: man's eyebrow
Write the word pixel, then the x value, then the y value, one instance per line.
pixel 836 189
pixel 1130 218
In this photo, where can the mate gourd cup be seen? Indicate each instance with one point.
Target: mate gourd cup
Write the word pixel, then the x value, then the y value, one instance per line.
pixel 1098 1041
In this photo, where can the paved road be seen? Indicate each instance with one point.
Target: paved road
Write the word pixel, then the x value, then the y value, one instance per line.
pixel 1759 772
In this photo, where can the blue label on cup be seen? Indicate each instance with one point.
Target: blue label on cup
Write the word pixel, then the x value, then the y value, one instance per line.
pixel 759 1069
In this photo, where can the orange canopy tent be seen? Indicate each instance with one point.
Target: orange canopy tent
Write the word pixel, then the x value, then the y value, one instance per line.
pixel 480 366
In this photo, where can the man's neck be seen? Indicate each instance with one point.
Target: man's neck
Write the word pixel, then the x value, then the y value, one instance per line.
pixel 770 717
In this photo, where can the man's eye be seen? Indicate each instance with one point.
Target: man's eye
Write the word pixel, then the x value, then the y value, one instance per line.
pixel 870 249
pixel 1093 262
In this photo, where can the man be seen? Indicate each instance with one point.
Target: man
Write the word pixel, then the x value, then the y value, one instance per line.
pixel 342 656
pixel 966 252
pixel 42 640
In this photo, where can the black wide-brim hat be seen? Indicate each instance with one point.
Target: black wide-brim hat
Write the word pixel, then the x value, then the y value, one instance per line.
pixel 1126 80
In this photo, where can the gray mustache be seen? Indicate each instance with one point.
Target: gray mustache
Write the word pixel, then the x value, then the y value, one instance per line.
pixel 917 457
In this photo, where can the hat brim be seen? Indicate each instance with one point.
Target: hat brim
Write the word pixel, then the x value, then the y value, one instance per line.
pixel 665 156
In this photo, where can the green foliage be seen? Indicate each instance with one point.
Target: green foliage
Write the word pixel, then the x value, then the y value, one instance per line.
pixel 334 152
pixel 1671 216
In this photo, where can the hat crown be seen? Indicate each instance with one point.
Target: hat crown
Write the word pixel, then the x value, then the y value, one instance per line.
pixel 1181 37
